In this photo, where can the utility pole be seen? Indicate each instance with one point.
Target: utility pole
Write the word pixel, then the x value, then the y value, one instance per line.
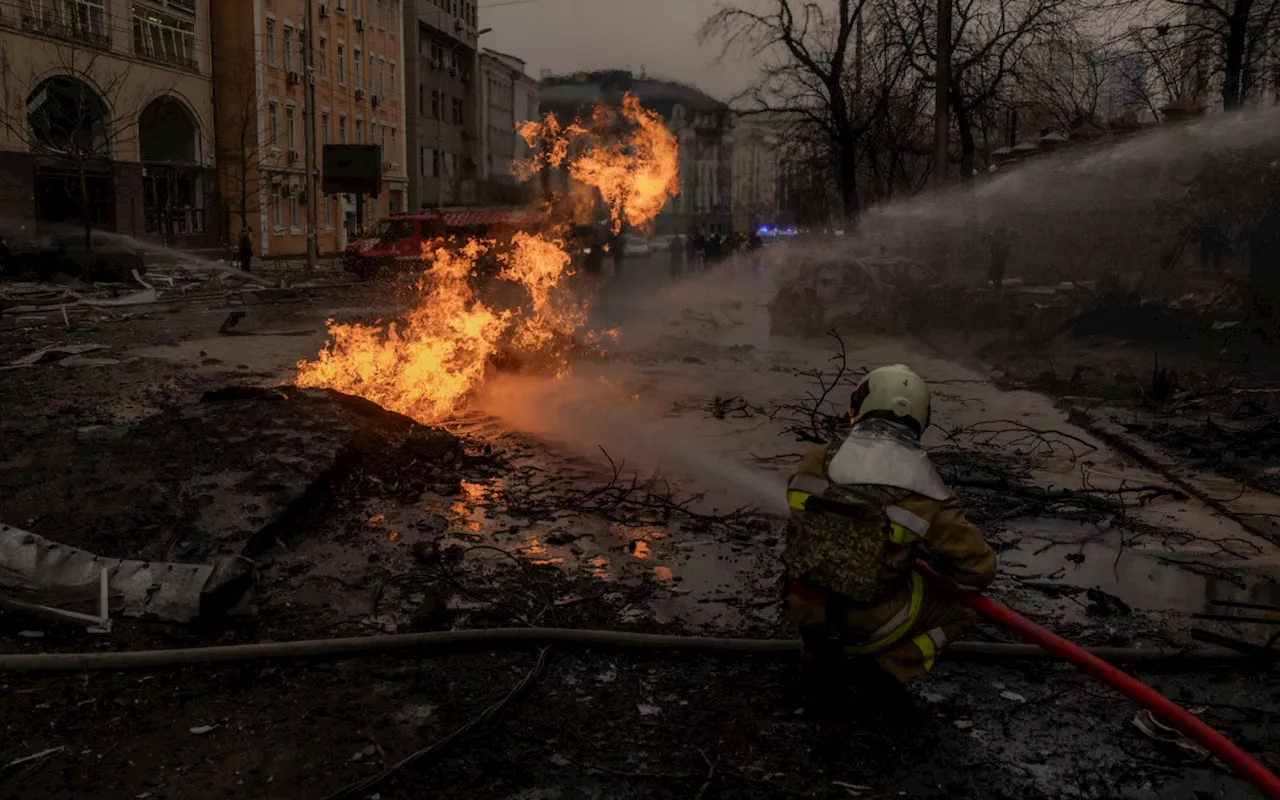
pixel 309 120
pixel 942 100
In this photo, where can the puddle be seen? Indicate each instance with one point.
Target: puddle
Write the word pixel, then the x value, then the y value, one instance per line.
pixel 1071 554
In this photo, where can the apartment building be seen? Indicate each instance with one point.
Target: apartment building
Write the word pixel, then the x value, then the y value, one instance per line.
pixel 755 174
pixel 107 120
pixel 441 65
pixel 260 82
pixel 508 98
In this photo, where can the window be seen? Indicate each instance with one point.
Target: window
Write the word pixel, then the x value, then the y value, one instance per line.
pixel 382 143
pixel 355 66
pixel 324 59
pixel 359 131
pixel 382 77
pixel 288 48
pixel 342 5
pixel 342 64
pixel 422 162
pixel 81 19
pixel 277 206
pixel 394 151
pixel 162 37
pixel 291 126
pixel 395 93
pixel 324 212
pixel 271 42
pixel 437 55
pixel 421 105
pixel 342 129
pixel 293 206
pixel 369 77
pixel 435 104
pixel 435 163
pixel 457 111
pixel 273 123
pixel 324 128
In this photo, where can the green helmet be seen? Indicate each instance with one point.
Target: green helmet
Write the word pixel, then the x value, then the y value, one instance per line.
pixel 894 392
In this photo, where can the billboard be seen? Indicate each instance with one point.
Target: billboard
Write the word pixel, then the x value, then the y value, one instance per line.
pixel 351 169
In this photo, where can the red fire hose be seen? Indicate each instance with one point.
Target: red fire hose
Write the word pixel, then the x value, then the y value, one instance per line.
pixel 1164 708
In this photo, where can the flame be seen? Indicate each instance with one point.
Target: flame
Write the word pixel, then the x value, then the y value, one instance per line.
pixel 428 363
pixel 635 174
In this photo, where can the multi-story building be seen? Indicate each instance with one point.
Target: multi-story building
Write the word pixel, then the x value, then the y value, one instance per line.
pixel 107 121
pixel 508 98
pixel 443 113
pixel 755 175
pixel 261 80
pixel 702 126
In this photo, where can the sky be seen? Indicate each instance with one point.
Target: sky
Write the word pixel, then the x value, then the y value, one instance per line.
pixel 566 36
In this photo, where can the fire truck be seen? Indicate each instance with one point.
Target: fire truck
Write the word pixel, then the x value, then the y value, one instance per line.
pixel 395 243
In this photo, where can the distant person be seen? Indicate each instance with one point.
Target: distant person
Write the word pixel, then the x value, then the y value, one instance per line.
pixel 246 250
pixel 1001 245
pixel 617 249
pixel 676 249
pixel 697 245
pixel 712 251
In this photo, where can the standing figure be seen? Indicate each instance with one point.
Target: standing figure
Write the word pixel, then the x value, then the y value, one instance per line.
pixel 862 511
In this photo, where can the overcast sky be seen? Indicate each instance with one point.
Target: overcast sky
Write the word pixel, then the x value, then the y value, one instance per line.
pixel 569 35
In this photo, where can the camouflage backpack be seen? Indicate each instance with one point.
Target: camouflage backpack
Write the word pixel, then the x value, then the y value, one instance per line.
pixel 840 545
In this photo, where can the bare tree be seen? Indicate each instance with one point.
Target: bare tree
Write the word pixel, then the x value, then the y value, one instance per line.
pixel 1064 78
pixel 990 42
pixel 82 116
pixel 1195 44
pixel 812 64
pixel 243 151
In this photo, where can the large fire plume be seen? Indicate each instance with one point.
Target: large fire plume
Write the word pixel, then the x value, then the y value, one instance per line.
pixel 426 364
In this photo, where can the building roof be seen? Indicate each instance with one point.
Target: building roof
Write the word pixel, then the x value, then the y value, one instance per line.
pixel 569 94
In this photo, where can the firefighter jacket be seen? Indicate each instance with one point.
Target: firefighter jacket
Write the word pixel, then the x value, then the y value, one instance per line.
pixel 882 463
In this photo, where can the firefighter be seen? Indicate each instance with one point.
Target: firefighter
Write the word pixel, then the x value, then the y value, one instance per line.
pixel 862 511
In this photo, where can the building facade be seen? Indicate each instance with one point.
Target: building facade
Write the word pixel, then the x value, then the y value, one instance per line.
pixel 755 176
pixel 508 98
pixel 108 120
pixel 261 79
pixel 702 126
pixel 443 115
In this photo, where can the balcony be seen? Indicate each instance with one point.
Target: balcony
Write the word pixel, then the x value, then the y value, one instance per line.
pixel 79 21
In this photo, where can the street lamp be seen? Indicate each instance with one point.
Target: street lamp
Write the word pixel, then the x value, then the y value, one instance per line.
pixel 453 52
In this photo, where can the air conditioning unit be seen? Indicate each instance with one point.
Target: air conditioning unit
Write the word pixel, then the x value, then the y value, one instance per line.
pixel 386 166
pixel 292 78
pixel 293 156
pixel 359 94
pixel 324 11
pixel 374 100
pixel 359 25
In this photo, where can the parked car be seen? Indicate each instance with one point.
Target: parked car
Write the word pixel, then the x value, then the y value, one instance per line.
pixel 635 246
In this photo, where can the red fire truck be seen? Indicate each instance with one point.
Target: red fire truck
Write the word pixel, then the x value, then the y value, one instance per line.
pixel 395 243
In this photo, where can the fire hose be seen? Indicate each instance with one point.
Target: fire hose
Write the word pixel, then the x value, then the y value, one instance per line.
pixel 1164 708
pixel 1089 662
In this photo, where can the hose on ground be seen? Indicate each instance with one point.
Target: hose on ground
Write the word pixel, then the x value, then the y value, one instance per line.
pixel 522 637
pixel 1184 721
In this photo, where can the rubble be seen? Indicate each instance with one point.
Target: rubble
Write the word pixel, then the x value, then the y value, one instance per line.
pixel 36 570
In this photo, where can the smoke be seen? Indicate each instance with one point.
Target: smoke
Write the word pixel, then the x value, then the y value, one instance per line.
pixel 588 413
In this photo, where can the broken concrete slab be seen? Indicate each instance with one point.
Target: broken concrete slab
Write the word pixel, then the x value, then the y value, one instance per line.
pixel 36 570
pixel 229 475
